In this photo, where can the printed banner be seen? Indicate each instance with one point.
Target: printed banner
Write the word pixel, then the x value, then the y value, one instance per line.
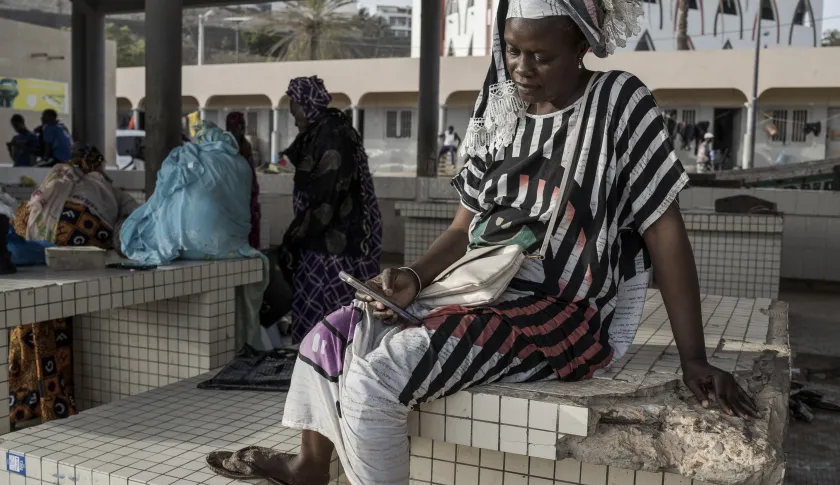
pixel 193 119
pixel 33 94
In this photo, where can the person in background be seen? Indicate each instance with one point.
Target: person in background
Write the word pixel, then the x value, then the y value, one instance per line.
pixel 55 139
pixel 235 125
pixel 337 224
pixel 704 153
pixel 451 142
pixel 24 145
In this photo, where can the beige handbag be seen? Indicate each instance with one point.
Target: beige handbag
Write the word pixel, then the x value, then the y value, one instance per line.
pixel 482 275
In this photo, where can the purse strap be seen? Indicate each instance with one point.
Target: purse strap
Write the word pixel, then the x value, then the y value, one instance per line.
pixel 570 160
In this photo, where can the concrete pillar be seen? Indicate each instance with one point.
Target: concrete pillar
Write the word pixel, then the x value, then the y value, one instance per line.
pixel 138 125
pixel 88 76
pixel 202 114
pixel 78 92
pixel 275 136
pixel 95 67
pixel 356 117
pixel 427 119
pixel 163 84
pixel 442 118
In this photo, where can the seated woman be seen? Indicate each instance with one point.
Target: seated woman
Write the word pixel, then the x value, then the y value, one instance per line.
pixel 541 113
pixel 76 205
pixel 337 225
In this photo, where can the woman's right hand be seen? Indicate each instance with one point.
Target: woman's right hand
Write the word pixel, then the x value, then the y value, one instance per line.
pixel 400 286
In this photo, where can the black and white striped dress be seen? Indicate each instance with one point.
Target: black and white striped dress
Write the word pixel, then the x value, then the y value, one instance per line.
pixel 627 176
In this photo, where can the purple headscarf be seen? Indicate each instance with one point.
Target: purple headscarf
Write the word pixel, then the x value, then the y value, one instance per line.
pixel 311 95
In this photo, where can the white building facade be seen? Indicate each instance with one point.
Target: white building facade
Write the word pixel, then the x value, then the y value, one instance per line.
pixel 712 24
pixel 398 18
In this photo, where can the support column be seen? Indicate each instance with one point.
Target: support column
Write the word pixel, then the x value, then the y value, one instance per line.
pixel 138 125
pixel 202 114
pixel 78 91
pixel 87 105
pixel 163 84
pixel 356 117
pixel 442 119
pixel 427 119
pixel 275 136
pixel 94 111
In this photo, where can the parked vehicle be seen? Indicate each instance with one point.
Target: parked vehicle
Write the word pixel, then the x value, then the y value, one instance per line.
pixel 131 147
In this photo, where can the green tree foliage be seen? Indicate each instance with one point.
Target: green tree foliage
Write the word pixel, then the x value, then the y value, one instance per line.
pixel 831 38
pixel 131 49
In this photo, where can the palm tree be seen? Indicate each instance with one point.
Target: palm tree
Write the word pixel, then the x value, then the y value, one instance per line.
pixel 374 29
pixel 682 27
pixel 313 30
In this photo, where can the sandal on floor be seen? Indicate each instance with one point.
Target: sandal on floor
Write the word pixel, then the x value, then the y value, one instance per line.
pixel 239 465
pixel 230 464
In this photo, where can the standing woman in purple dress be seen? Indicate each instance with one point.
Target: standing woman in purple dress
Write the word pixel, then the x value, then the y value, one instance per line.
pixel 337 225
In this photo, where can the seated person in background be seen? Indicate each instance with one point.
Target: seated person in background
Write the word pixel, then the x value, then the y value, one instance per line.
pixel 24 145
pixel 55 139
pixel 76 205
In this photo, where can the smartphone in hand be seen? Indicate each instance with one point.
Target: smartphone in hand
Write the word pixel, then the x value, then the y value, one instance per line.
pixel 362 288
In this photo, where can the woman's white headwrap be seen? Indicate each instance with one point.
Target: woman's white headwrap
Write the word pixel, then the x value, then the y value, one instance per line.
pixel 605 23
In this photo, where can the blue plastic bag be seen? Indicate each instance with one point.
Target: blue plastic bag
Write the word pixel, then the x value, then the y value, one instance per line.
pixel 26 253
pixel 200 208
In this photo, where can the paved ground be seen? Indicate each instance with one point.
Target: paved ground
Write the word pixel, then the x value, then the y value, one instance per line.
pixel 814 449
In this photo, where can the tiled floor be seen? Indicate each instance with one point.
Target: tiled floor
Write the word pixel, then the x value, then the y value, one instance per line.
pixel 502 435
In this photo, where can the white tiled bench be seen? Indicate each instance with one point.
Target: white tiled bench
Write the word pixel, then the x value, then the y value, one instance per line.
pixel 133 331
pixel 543 434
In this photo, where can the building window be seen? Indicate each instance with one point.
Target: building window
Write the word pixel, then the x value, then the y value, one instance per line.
pixel 767 12
pixel 452 7
pixel 471 3
pixel 689 116
pixel 645 43
pixel 801 16
pixel 398 124
pixel 670 114
pixel 252 121
pixel 800 119
pixel 692 5
pixel 780 120
pixel 728 7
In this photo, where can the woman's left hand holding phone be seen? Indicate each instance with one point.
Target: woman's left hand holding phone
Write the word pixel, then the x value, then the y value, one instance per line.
pixel 400 286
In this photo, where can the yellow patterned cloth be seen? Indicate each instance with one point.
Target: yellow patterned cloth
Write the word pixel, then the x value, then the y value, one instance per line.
pixel 41 371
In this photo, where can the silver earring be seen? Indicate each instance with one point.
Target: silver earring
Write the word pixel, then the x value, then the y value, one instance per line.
pixel 580 63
